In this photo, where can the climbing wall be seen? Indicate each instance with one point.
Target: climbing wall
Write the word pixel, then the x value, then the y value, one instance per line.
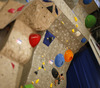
pixel 43 54
pixel 10 10
pixel 65 35
pixel 40 10
pixel 10 73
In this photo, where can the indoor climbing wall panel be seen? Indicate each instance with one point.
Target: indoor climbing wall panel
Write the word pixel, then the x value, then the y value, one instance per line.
pixel 10 73
pixel 71 16
pixel 37 16
pixel 80 12
pixel 66 32
pixel 10 11
pixel 17 46
pixel 41 76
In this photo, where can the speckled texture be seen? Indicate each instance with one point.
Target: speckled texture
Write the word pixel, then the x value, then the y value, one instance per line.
pixel 15 51
pixel 36 16
pixel 80 12
pixel 70 15
pixel 9 77
pixel 48 53
pixel 63 32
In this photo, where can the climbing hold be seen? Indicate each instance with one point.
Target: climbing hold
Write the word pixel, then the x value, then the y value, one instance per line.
pixel 83 40
pixel 56 10
pixel 11 10
pixel 62 22
pixel 76 19
pixel 42 56
pixel 29 86
pixel 59 60
pixel 37 81
pixel 87 1
pixel 50 8
pixel 47 0
pixel 21 86
pixel 90 21
pixel 73 30
pixel 19 41
pixel 54 73
pixel 20 8
pixel 51 85
pixel 13 65
pixel 42 66
pixel 44 69
pixel 51 62
pixel 68 56
pixel 43 63
pixel 78 33
pixel 48 35
pixel 39 68
pixel 67 47
pixel 66 40
pixel 36 72
pixel 34 39
pixel 27 0
pixel 32 82
pixel 76 25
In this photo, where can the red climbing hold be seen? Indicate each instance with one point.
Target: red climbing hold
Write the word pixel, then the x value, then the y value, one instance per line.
pixel 34 39
pixel 11 10
pixel 20 8
pixel 13 65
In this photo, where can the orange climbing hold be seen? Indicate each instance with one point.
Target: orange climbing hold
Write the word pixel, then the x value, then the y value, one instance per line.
pixel 68 56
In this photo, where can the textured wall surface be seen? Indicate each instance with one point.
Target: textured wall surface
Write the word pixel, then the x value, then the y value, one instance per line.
pixel 44 54
pixel 9 76
pixel 17 46
pixel 36 16
pixel 70 15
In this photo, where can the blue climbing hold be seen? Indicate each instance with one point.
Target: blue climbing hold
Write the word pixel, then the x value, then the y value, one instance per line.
pixel 87 1
pixel 47 0
pixel 83 40
pixel 27 0
pixel 59 60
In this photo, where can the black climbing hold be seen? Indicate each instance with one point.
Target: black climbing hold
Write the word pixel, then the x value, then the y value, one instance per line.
pixel 36 72
pixel 56 9
pixel 50 8
pixel 42 66
pixel 50 39
pixel 55 73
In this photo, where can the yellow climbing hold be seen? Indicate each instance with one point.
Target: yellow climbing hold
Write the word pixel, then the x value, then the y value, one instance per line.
pixel 66 40
pixel 67 47
pixel 62 22
pixel 39 68
pixel 51 85
pixel 77 25
pixel 32 82
pixel 47 38
pixel 43 63
pixel 37 81
pixel 21 86
pixel 42 56
pixel 76 19
pixel 73 30
pixel 44 69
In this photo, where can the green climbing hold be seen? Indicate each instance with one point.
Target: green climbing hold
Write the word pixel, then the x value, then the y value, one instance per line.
pixel 90 21
pixel 29 86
